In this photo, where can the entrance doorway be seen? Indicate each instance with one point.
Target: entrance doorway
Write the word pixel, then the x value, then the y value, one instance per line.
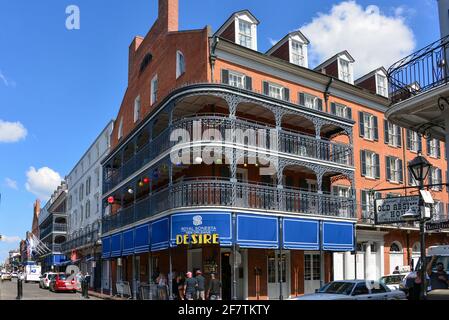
pixel 312 272
pixel 226 276
pixel 194 260
pixel 278 272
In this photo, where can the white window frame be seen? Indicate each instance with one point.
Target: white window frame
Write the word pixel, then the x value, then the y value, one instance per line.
pixel 87 209
pixel 341 110
pixel 137 108
pixel 310 101
pixel 435 180
pixel 381 85
pixel 414 141
pixel 245 38
pixel 394 169
pixel 344 74
pixel 297 53
pixel 370 164
pixel 393 133
pixel 233 78
pixel 339 189
pixel 180 64
pixel 433 148
pixel 368 125
pixel 272 88
pixel 154 90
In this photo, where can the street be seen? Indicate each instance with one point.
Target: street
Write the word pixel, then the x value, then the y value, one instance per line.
pixel 31 291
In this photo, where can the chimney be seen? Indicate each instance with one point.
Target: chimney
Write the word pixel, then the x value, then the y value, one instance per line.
pixel 168 15
pixel 37 207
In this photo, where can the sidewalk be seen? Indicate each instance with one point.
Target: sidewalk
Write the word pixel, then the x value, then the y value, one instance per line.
pixel 103 296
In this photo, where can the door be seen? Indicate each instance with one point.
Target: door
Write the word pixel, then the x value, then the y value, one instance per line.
pixel 242 195
pixel 226 276
pixel 194 260
pixel 312 272
pixel 278 272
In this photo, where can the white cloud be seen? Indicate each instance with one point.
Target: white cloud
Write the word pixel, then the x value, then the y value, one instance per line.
pixel 6 82
pixel 8 239
pixel 272 41
pixel 11 183
pixel 42 182
pixel 12 131
pixel 371 37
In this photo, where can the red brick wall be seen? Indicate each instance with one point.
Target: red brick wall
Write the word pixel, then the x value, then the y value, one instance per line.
pixel 369 84
pixel 283 52
pixel 229 33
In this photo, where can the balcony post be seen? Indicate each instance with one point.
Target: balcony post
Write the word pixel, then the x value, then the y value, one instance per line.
pixel 318 123
pixel 280 186
pixel 170 184
pixel 234 177
pixel 319 181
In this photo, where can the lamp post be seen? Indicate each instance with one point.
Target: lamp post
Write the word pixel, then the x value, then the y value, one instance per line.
pixel 419 168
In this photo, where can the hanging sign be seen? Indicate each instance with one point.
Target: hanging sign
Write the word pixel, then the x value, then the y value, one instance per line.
pixel 391 210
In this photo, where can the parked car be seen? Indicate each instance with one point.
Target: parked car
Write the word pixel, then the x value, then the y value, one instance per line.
pixel 354 290
pixel 14 274
pixel 45 279
pixel 5 276
pixel 60 282
pixel 394 281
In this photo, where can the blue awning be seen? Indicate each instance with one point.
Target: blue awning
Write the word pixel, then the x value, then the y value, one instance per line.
pixel 106 247
pixel 338 236
pixel 116 245
pixel 159 235
pixel 128 242
pixel 142 239
pixel 301 234
pixel 257 231
pixel 202 223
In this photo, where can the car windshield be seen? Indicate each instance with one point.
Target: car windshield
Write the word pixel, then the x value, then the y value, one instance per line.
pixel 337 287
pixel 62 276
pixel 396 279
pixel 52 276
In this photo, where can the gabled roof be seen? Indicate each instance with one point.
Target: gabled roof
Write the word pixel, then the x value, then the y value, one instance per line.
pixel 333 58
pixel 370 74
pixel 231 19
pixel 284 39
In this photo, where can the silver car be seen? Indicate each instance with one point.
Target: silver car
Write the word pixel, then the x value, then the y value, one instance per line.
pixel 354 290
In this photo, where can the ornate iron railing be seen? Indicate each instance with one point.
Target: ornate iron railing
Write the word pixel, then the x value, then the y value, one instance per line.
pixel 258 136
pixel 223 193
pixel 419 72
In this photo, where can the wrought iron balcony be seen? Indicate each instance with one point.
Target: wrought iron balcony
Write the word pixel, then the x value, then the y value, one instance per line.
pixel 420 72
pixel 56 227
pixel 288 142
pixel 225 194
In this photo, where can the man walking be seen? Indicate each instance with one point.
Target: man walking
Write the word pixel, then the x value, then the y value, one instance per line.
pixel 201 286
pixel 438 279
pixel 86 285
pixel 213 292
pixel 190 286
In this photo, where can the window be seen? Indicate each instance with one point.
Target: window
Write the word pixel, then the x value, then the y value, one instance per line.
pixel 236 79
pixel 392 134
pixel 297 55
pixel 341 110
pixel 275 91
pixel 180 64
pixel 381 82
pixel 97 203
pixel 81 192
pixel 310 101
pixel 87 209
pixel 137 109
pixel 367 200
pixel 368 126
pixel 370 164
pixel 411 179
pixel 433 148
pixel 360 289
pixel 82 213
pixel 97 177
pixel 413 141
pixel 69 205
pixel 154 88
pixel 245 35
pixel 345 74
pixel 435 178
pixel 88 183
pixel 120 129
pixel 341 191
pixel 394 169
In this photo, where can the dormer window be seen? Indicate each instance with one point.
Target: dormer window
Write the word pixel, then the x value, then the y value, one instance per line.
pixel 297 53
pixel 381 85
pixel 345 73
pixel 245 34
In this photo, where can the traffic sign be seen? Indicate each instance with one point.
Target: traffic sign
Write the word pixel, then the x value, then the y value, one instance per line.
pixel 391 210
pixel 437 225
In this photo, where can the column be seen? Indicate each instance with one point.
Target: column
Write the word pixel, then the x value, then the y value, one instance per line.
pixel 367 267
pixel 382 258
pixel 347 265
pixel 134 283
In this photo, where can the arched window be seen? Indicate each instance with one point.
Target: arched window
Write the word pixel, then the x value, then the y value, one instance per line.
pixel 416 249
pixel 395 247
pixel 180 64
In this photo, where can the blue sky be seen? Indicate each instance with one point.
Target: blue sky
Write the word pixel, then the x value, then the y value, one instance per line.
pixel 63 86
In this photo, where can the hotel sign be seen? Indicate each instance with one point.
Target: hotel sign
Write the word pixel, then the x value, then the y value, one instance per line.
pixel 391 210
pixel 196 238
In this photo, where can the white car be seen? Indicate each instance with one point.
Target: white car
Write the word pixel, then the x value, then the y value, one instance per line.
pixel 14 274
pixel 5 276
pixel 394 281
pixel 45 279
pixel 354 290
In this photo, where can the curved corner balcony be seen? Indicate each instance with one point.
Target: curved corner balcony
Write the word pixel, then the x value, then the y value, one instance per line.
pixel 223 194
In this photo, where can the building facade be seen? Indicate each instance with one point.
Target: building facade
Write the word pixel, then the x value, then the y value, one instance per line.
pixel 83 245
pixel 53 230
pixel 251 165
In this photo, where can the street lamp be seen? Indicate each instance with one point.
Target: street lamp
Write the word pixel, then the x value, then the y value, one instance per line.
pixel 419 168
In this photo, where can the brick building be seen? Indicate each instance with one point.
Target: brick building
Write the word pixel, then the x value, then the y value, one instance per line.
pixel 275 159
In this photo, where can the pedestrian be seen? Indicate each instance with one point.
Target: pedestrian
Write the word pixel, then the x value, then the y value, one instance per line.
pixel 190 285
pixel 438 279
pixel 396 270
pixel 201 286
pixel 161 281
pixel 180 286
pixel 213 291
pixel 86 285
pixel 81 280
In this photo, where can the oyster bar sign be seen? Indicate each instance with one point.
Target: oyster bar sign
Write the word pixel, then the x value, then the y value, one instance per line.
pixel 198 233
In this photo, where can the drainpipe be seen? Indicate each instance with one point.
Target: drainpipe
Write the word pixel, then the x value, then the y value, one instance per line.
pixel 213 57
pixel 327 94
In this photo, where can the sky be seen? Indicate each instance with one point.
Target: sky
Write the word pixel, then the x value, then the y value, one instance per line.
pixel 60 87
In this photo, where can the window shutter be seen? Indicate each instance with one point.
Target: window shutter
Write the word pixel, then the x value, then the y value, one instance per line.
pixel 399 136
pixel 386 135
pixel 302 100
pixel 363 198
pixel 361 124
pixel 401 173
pixel 286 94
pixel 335 190
pixel 410 176
pixel 419 143
pixel 248 83
pixel 438 149
pixel 388 168
pixel 430 176
pixel 224 76
pixel 428 146
pixel 320 104
pixel 376 133
pixel 377 163
pixel 409 139
pixel 349 112
pixel 265 88
pixel 363 162
pixel 440 180
pixel 333 108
